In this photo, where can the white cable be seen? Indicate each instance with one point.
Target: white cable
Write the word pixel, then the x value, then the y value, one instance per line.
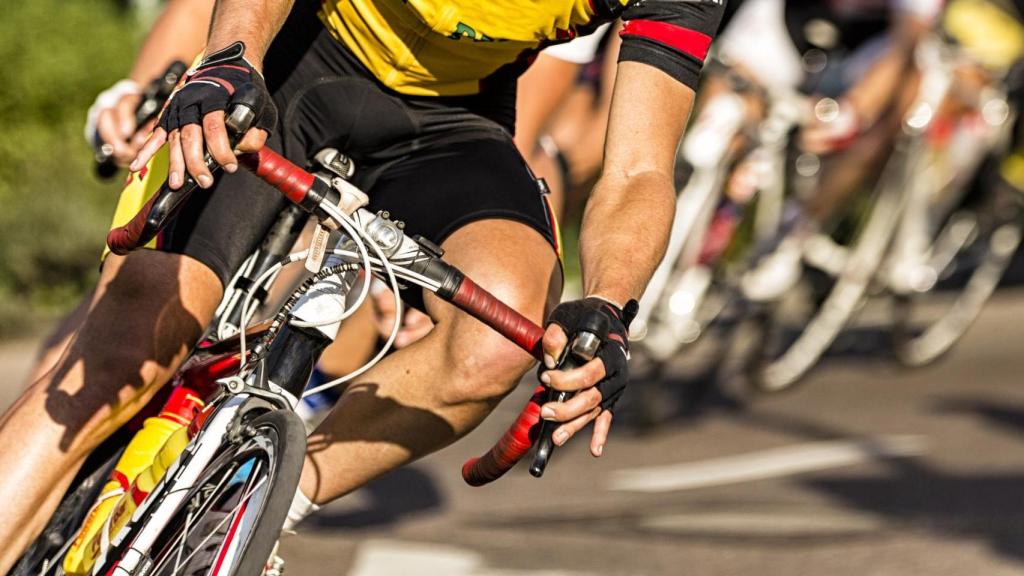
pixel 350 227
pixel 292 258
pixel 388 269
pixel 392 280
pixel 361 240
pixel 347 225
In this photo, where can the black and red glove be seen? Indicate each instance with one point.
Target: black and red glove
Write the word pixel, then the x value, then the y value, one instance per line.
pixel 220 80
pixel 613 351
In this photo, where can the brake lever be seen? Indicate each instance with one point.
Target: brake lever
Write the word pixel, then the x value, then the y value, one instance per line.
pixel 584 346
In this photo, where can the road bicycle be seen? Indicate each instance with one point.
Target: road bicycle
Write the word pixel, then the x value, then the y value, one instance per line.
pixel 219 506
pixel 915 231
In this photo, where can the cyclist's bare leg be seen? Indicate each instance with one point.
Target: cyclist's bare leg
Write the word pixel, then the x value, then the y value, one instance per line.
pixel 147 312
pixel 426 396
pixel 57 342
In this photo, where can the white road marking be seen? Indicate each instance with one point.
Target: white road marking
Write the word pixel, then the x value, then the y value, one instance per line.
pixel 776 523
pixel 401 558
pixel 772 463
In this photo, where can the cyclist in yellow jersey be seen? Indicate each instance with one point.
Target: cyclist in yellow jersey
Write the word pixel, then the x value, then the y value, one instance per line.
pixel 422 95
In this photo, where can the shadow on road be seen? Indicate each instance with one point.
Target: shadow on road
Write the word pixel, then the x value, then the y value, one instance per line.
pixel 405 492
pixel 913 495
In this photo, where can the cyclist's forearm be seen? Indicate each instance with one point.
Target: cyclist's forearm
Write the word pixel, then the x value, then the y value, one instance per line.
pixel 629 214
pixel 254 22
pixel 179 33
pixel 625 230
pixel 873 94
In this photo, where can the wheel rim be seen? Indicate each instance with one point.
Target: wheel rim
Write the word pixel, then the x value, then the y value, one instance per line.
pixel 208 536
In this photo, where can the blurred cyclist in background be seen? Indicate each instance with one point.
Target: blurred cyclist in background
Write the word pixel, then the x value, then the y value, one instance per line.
pixel 860 53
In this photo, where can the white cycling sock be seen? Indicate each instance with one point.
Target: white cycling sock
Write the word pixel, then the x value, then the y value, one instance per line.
pixel 301 507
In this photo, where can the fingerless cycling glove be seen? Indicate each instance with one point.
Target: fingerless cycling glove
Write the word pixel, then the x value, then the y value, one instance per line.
pixel 614 350
pixel 219 81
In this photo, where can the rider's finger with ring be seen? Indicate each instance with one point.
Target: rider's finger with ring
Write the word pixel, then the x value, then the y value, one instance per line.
pixel 553 343
pixel 576 379
pixel 579 404
pixel 192 145
pixel 216 136
pixel 566 431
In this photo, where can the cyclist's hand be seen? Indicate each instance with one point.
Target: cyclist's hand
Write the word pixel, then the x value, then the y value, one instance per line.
pixel 599 383
pixel 192 123
pixel 111 120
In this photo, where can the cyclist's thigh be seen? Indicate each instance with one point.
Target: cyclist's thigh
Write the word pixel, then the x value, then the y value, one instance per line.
pixel 478 183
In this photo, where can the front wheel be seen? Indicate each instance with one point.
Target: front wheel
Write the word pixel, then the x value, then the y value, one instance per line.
pixel 927 325
pixel 233 514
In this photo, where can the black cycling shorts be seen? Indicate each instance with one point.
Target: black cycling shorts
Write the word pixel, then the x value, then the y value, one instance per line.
pixel 435 163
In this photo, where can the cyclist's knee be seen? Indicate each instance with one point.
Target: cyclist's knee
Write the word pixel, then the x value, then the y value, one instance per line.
pixel 484 366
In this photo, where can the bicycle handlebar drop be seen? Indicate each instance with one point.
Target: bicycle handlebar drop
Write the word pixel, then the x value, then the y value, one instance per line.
pixel 166 202
pixel 308 192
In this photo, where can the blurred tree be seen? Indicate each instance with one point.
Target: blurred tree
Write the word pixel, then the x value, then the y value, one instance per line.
pixel 55 56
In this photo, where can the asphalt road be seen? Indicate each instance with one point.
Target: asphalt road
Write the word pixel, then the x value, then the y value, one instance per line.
pixel 868 469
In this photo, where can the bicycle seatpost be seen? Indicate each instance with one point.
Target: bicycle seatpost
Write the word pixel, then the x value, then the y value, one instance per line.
pixel 582 349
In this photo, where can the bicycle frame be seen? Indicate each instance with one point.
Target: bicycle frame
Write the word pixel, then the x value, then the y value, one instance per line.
pixel 370 241
pixel 915 261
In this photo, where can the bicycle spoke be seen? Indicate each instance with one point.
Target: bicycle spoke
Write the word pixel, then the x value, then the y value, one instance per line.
pixel 216 528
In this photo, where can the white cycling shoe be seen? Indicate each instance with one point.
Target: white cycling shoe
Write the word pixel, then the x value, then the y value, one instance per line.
pixel 776 273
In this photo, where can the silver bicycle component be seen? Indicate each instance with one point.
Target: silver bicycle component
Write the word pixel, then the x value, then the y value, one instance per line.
pixel 336 163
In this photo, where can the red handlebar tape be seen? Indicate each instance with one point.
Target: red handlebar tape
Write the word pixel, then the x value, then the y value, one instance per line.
pixel 128 237
pixel 276 170
pixel 519 438
pixel 292 181
pixel 296 183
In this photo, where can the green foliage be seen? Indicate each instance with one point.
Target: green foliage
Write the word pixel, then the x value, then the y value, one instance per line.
pixel 56 56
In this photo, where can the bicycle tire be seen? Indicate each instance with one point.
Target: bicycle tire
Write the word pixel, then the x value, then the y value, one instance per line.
pixel 45 554
pixel 274 442
pixel 915 344
pixel 777 364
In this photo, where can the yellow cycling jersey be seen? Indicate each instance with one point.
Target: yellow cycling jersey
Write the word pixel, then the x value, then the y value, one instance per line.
pixel 447 47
